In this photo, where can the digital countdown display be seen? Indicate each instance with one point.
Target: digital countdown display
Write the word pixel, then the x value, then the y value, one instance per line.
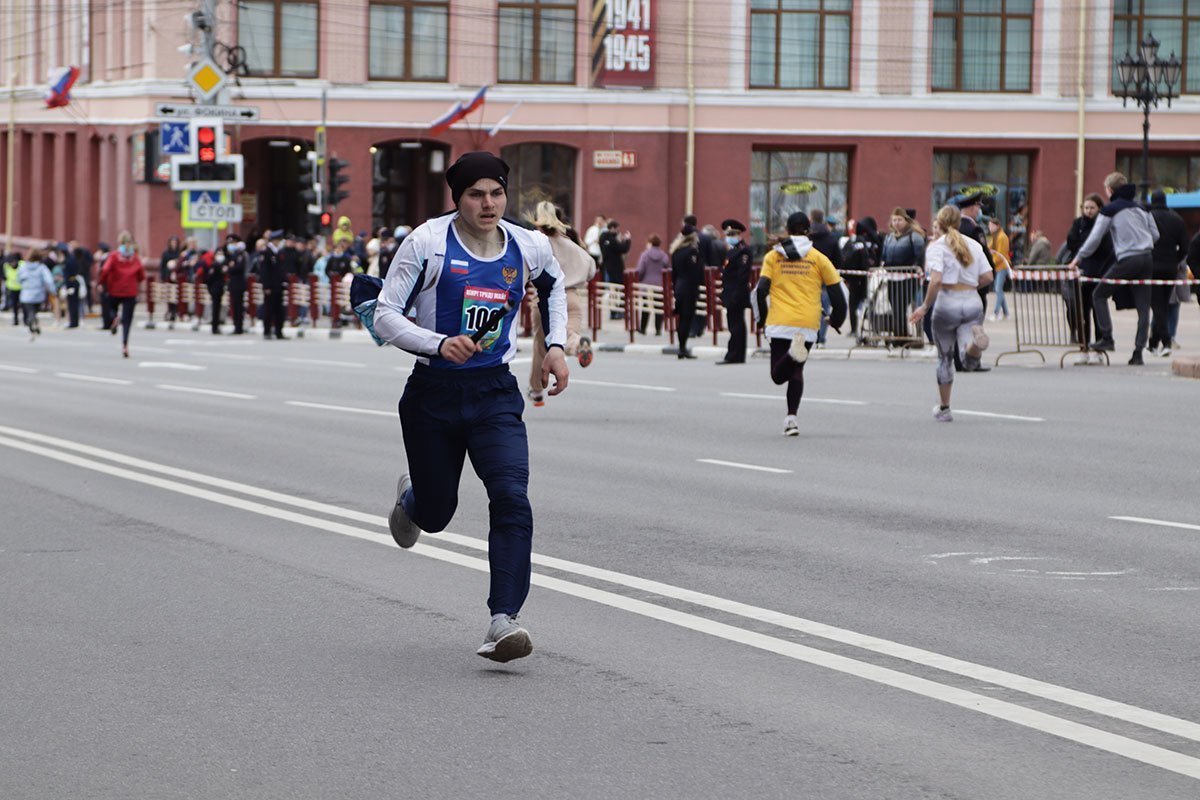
pixel 623 46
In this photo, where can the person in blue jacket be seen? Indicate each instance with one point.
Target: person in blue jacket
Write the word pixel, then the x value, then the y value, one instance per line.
pixel 37 285
pixel 451 298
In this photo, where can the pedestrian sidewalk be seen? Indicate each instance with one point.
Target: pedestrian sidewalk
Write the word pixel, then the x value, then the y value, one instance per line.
pixel 612 337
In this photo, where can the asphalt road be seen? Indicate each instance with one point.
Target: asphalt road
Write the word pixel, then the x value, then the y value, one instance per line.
pixel 200 599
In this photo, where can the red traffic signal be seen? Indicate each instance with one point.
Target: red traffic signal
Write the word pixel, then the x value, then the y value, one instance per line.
pixel 326 218
pixel 206 138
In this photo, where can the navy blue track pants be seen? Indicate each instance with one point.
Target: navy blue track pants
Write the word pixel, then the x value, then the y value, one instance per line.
pixel 449 414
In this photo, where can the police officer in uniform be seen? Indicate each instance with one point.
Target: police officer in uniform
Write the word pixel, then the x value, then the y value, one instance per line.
pixel 236 263
pixel 735 289
pixel 271 273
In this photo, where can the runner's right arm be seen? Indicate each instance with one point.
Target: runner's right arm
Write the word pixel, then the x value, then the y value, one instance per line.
pixel 412 271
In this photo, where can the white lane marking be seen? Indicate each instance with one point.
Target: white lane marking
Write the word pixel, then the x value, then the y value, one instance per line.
pixel 74 376
pixel 738 465
pixel 1092 574
pixel 642 386
pixel 211 392
pixel 141 348
pixel 347 409
pixel 318 362
pixel 22 370
pixel 990 415
pixel 828 401
pixel 171 365
pixel 1059 694
pixel 234 356
pixel 1162 522
pixel 990 559
pixel 206 343
pixel 1036 720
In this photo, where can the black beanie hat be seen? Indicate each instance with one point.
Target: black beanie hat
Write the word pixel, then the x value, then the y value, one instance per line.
pixel 797 224
pixel 471 167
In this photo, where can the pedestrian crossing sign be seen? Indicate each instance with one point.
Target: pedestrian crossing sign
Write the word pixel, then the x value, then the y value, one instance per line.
pixel 175 138
pixel 202 197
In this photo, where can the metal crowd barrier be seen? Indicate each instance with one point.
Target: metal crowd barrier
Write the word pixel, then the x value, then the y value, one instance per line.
pixel 1048 311
pixel 892 294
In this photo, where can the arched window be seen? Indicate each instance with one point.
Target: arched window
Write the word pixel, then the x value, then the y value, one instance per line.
pixel 540 172
pixel 408 183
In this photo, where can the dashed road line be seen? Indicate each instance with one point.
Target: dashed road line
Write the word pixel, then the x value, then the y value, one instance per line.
pixel 22 370
pixel 346 409
pixel 992 415
pixel 738 465
pixel 75 376
pixel 642 386
pixel 210 392
pixel 1161 522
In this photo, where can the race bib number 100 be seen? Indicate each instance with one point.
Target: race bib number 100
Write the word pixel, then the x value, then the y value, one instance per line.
pixel 478 305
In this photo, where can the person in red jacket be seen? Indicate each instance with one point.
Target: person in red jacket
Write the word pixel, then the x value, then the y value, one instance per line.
pixel 121 276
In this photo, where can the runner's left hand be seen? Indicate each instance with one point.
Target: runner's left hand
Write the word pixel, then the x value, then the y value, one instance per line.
pixel 555 363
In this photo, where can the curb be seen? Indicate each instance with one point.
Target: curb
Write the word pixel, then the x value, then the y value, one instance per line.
pixel 1186 367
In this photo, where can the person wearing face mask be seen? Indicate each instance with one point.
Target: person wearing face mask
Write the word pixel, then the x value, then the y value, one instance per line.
pixel 735 289
pixel 236 266
pixel 214 278
pixel 120 276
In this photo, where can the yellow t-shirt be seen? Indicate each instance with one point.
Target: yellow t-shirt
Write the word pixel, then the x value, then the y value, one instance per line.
pixel 796 288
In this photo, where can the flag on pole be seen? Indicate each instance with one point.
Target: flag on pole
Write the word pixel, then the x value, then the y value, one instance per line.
pixel 457 111
pixel 500 123
pixel 58 94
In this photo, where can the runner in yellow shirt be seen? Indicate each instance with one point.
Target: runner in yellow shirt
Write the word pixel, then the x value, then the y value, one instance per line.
pixel 787 302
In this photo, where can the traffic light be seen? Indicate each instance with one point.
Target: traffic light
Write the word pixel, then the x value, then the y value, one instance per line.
pixel 337 178
pixel 206 144
pixel 326 219
pixel 309 180
pixel 208 172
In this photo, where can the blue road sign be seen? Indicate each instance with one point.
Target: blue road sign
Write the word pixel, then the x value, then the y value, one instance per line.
pixel 202 196
pixel 175 138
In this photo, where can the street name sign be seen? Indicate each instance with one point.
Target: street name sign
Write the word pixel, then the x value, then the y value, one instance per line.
pixel 189 111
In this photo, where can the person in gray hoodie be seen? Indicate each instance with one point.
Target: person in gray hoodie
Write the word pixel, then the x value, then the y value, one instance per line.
pixel 1134 233
pixel 37 286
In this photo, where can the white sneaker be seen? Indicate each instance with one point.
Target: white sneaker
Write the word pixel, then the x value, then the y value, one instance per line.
pixel 790 427
pixel 506 640
pixel 1166 352
pixel 942 414
pixel 798 351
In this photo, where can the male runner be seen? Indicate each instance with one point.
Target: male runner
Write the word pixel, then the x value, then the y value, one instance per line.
pixel 450 275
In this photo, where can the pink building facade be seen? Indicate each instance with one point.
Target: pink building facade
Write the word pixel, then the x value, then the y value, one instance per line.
pixel 725 108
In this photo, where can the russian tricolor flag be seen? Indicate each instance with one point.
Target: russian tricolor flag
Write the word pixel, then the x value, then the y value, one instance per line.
pixel 457 111
pixel 61 81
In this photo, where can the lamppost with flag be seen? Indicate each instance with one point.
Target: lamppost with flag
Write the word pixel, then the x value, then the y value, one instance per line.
pixel 1147 80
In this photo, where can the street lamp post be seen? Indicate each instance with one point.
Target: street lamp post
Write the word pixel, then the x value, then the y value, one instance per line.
pixel 1146 80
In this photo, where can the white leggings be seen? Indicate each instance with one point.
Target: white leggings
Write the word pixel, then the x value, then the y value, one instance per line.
pixel 953 315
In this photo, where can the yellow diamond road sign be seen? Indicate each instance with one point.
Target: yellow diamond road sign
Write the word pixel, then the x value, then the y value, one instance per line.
pixel 206 78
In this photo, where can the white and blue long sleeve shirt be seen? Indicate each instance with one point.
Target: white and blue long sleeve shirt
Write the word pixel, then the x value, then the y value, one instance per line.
pixel 437 288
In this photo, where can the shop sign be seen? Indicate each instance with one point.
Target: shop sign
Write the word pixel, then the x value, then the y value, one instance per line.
pixel 624 51
pixel 614 159
pixel 802 187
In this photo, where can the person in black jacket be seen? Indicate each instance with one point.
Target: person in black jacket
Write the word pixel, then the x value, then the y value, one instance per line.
pixel 858 252
pixel 613 247
pixel 1170 249
pixel 735 289
pixel 1193 262
pixel 236 267
pixel 971 206
pixel 1093 266
pixel 687 275
pixel 271 275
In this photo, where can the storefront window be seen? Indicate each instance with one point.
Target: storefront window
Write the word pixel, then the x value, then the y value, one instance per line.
pixel 1002 179
pixel 1171 174
pixel 784 182
pixel 540 172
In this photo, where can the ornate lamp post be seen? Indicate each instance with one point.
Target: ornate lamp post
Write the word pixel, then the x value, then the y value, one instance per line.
pixel 1146 80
